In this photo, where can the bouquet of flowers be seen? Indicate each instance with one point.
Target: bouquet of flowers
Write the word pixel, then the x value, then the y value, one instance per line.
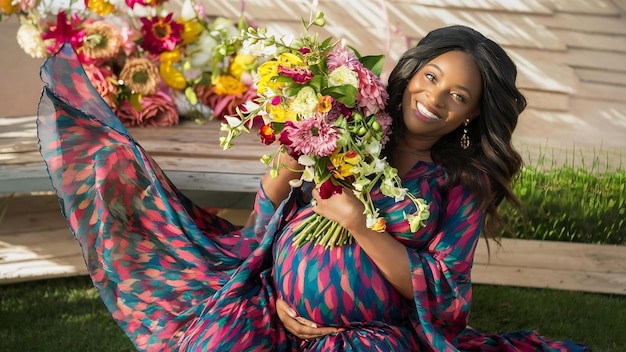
pixel 151 65
pixel 325 105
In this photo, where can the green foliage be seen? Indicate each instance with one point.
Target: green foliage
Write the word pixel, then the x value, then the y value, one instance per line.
pixel 580 203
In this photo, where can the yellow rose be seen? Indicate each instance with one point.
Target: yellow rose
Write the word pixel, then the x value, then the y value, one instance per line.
pixel 267 70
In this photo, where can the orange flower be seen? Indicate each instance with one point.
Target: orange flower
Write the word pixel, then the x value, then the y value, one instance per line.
pixel 380 225
pixel 267 134
pixel 325 103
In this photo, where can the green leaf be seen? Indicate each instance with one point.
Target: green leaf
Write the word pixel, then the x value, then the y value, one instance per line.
pixel 346 94
pixel 374 63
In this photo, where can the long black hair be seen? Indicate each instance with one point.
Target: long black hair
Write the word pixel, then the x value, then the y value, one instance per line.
pixel 490 164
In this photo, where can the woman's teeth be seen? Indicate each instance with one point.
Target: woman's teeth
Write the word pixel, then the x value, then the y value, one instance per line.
pixel 422 109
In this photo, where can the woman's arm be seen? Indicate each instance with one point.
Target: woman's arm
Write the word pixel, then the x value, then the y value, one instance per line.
pixel 389 255
pixel 278 188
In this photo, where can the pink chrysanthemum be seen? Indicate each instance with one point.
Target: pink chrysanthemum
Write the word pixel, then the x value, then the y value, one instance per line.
pixel 312 137
pixel 372 94
pixel 341 56
pixel 161 34
pixel 300 75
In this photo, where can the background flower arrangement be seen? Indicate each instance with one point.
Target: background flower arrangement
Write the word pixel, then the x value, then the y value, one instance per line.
pixel 324 105
pixel 151 64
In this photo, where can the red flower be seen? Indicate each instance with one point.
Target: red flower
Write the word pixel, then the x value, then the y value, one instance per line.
pixel 65 30
pixel 328 189
pixel 267 134
pixel 160 34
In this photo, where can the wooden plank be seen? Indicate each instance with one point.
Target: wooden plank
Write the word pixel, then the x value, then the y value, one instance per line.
pixel 509 30
pixel 39 255
pixel 585 7
pixel 584 23
pixel 579 58
pixel 546 100
pixel 544 75
pixel 597 76
pixel 600 91
pixel 611 283
pixel 593 41
pixel 554 265
pixel 519 6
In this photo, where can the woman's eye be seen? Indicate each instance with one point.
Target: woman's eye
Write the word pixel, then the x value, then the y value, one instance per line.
pixel 458 97
pixel 430 77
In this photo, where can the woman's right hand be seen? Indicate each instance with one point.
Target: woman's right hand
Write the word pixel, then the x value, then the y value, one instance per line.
pixel 299 326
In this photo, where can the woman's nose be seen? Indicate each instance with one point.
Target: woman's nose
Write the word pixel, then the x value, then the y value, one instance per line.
pixel 436 97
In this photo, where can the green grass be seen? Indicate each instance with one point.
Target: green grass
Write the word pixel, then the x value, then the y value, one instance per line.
pixel 67 315
pixel 575 202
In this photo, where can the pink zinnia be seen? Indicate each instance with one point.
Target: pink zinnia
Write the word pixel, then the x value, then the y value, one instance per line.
pixel 298 74
pixel 312 137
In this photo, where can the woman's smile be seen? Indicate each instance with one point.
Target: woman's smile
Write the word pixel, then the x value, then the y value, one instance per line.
pixel 425 114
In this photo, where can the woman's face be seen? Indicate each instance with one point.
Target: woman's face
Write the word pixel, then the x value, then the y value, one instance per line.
pixel 441 95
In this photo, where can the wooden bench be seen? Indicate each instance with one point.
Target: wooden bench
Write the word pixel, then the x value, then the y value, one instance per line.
pixel 35 242
pixel 188 153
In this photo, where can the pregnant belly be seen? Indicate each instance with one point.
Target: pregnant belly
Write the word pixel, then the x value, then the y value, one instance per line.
pixel 337 286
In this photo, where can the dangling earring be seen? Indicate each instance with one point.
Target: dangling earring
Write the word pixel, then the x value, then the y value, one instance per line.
pixel 465 140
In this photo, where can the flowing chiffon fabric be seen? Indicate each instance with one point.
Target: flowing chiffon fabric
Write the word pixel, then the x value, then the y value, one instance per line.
pixel 178 278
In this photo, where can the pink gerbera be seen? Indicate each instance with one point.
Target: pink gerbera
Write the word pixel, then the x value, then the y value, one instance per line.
pixel 160 34
pixel 312 137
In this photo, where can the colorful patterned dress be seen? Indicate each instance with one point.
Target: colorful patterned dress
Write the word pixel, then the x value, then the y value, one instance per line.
pixel 178 278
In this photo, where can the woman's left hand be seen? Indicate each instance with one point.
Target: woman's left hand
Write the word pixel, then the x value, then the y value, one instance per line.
pixel 299 326
pixel 344 208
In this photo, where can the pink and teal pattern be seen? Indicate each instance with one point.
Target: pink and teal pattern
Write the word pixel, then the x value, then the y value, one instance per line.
pixel 178 278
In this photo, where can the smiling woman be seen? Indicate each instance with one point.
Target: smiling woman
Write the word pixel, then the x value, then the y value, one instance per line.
pixel 177 278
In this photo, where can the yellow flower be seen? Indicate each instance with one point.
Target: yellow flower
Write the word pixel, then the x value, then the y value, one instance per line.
pixel 241 63
pixel 267 71
pixel 351 157
pixel 229 85
pixel 290 60
pixel 191 32
pixel 172 76
pixel 7 6
pixel 342 168
pixel 169 57
pixel 101 7
pixel 280 114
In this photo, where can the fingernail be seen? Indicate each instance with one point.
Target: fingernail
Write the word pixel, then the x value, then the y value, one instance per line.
pixel 314 326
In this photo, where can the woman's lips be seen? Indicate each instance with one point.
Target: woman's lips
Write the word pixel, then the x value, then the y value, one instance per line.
pixel 424 114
